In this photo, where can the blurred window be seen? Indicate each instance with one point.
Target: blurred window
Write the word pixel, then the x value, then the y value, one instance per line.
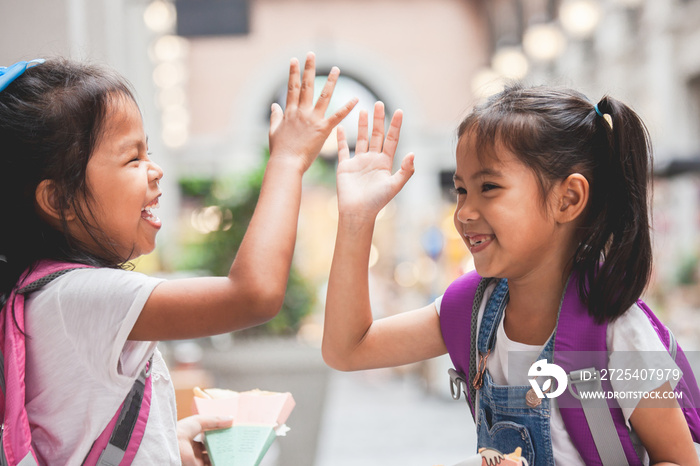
pixel 212 17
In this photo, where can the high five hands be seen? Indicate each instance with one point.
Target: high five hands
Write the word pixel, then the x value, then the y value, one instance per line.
pixel 301 129
pixel 365 182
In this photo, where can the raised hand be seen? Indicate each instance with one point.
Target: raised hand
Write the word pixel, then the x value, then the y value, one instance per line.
pixel 365 183
pixel 301 129
pixel 254 290
pixel 352 339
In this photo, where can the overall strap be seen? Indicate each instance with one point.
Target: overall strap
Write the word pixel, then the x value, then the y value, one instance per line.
pixel 597 428
pixel 487 329
pixel 458 313
pixel 493 314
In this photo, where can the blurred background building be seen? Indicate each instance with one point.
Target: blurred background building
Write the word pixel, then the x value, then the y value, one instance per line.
pixel 206 72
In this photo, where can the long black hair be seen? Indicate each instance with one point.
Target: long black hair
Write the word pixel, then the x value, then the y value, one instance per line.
pixel 51 121
pixel 557 132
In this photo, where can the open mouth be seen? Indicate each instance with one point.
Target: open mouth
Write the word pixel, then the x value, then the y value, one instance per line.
pixel 148 215
pixel 475 241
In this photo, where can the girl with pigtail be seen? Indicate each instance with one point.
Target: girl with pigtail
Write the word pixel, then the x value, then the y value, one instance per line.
pixel 552 203
pixel 77 201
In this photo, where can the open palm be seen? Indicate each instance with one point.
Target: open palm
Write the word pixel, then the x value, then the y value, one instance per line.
pixel 365 183
pixel 301 129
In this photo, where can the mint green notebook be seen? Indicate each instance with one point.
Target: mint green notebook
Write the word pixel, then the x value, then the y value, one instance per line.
pixel 239 445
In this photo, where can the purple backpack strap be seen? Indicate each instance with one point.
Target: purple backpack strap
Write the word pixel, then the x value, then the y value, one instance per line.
pixel 690 401
pixel 580 343
pixel 456 311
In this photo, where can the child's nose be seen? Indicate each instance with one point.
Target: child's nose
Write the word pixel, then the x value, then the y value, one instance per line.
pixel 155 173
pixel 466 212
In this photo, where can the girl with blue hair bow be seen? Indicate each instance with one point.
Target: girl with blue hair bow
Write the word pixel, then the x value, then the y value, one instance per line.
pixel 81 186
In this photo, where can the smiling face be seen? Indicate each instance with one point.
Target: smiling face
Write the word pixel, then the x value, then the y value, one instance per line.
pixel 500 213
pixel 122 183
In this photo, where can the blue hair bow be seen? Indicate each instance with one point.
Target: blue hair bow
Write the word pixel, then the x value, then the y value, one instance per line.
pixel 12 72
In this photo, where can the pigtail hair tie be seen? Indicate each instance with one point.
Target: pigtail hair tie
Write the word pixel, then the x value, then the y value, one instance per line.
pixel 606 116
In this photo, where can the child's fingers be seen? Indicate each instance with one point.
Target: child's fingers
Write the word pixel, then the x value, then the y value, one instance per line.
pixel 306 95
pixel 343 149
pixel 392 136
pixel 338 116
pixel 362 129
pixel 401 177
pixel 276 116
pixel 327 92
pixel 293 84
pixel 214 422
pixel 188 428
pixel 375 144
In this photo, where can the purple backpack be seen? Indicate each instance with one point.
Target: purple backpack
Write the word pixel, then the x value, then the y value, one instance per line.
pixel 118 443
pixel 600 435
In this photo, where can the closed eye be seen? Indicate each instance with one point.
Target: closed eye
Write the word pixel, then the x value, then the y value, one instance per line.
pixel 459 191
pixel 140 157
pixel 488 187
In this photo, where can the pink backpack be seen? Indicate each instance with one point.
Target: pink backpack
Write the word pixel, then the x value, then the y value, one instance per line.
pixel 118 443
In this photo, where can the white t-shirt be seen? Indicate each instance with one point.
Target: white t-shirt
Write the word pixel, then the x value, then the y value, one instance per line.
pixel 631 333
pixel 80 366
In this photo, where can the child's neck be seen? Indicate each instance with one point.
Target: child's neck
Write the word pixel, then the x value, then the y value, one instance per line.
pixel 532 310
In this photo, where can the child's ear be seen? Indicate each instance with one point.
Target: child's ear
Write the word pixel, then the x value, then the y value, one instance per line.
pixel 573 197
pixel 47 201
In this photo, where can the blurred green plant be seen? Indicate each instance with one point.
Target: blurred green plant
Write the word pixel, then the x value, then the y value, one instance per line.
pixel 231 200
pixel 688 270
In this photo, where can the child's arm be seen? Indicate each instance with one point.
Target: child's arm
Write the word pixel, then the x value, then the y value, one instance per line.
pixel 663 430
pixel 351 339
pixel 254 289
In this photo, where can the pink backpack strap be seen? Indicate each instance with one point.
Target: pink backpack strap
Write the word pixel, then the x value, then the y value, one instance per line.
pixel 119 442
pixel 16 440
pixel 16 436
pixel 458 312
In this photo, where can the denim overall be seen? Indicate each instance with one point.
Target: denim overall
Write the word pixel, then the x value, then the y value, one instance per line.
pixel 504 420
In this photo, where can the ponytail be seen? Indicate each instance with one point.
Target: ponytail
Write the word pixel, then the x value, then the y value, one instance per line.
pixel 614 260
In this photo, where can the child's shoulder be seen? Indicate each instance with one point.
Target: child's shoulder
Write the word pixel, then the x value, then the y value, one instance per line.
pixel 81 272
pixel 633 331
pixel 100 283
